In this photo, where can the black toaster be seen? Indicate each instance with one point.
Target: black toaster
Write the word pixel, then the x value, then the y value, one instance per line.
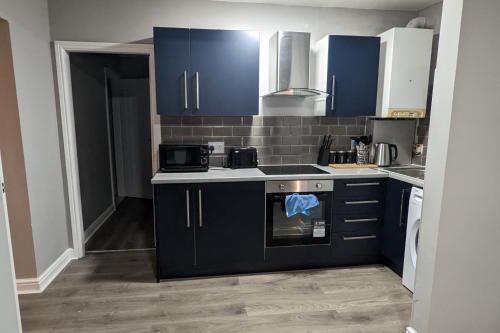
pixel 242 158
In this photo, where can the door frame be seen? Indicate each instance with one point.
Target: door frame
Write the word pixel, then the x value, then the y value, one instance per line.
pixel 62 50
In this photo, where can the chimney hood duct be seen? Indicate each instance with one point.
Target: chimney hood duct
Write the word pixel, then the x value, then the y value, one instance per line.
pixel 289 65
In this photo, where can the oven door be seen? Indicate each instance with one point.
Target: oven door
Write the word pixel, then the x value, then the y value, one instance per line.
pixel 299 229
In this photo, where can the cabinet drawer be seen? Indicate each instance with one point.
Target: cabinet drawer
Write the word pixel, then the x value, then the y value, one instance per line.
pixel 357 223
pixel 357 206
pixel 352 244
pixel 354 188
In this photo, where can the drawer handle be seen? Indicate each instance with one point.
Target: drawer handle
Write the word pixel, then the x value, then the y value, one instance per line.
pixel 361 220
pixel 362 202
pixel 359 237
pixel 188 218
pixel 362 184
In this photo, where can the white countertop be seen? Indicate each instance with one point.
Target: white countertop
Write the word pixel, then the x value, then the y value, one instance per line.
pixel 254 174
pixel 407 179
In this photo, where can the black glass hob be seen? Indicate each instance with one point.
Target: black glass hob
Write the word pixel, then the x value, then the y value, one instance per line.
pixel 291 170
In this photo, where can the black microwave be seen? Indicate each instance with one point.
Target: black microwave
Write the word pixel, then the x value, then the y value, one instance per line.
pixel 184 158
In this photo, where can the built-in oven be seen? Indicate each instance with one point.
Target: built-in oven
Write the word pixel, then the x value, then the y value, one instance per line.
pixel 312 228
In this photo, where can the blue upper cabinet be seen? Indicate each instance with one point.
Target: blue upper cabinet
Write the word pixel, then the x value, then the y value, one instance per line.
pixel 351 64
pixel 225 66
pixel 206 72
pixel 172 71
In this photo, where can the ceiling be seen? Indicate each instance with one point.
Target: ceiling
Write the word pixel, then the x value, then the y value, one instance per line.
pixel 410 5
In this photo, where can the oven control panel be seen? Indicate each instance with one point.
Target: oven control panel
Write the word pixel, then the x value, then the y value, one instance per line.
pixel 297 186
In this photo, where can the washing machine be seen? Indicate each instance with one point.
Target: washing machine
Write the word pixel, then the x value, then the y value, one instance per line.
pixel 412 231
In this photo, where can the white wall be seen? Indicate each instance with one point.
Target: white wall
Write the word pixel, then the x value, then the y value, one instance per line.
pixel 130 20
pixel 433 15
pixel 9 304
pixel 29 26
pixel 458 285
pixel 444 84
pixel 132 133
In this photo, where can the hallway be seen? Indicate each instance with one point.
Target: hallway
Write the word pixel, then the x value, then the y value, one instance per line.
pixel 131 227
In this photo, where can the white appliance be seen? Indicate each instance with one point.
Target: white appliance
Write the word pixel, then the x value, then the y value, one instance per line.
pixel 412 232
pixel 405 60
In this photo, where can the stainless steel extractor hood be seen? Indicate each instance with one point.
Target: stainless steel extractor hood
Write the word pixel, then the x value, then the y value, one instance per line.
pixel 289 65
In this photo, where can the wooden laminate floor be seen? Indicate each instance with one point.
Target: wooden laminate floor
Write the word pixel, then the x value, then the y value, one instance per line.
pixel 117 292
pixel 130 227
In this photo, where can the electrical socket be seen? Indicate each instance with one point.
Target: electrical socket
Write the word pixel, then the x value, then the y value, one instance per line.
pixel 218 147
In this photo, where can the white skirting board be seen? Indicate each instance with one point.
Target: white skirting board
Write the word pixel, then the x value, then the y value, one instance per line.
pixel 38 285
pixel 99 221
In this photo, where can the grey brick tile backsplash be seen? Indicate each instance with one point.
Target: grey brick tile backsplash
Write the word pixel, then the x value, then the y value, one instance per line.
pixel 278 139
pixel 223 131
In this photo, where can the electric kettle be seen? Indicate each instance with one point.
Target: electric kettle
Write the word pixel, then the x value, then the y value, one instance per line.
pixel 384 154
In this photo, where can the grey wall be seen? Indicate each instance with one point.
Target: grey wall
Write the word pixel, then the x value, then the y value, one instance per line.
pixel 11 149
pixel 130 20
pixel 29 26
pixel 91 127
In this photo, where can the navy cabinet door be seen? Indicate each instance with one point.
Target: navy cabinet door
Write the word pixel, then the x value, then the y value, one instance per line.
pixel 224 72
pixel 353 73
pixel 395 219
pixel 174 225
pixel 230 229
pixel 172 71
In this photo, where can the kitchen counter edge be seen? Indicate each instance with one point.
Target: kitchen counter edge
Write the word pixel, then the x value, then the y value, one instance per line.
pixel 216 175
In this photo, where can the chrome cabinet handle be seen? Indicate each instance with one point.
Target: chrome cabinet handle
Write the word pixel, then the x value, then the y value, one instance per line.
pixel 188 220
pixel 401 207
pixel 362 184
pixel 197 78
pixel 185 91
pixel 361 202
pixel 361 220
pixel 333 93
pixel 359 237
pixel 200 208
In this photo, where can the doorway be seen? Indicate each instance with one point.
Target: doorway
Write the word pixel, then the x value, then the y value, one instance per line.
pixel 111 106
pixel 63 50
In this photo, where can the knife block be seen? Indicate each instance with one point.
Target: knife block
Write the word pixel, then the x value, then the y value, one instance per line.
pixel 323 156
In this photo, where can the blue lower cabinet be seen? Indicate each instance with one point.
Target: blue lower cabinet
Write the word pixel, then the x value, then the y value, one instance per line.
pixel 229 230
pixel 205 229
pixel 358 208
pixel 352 79
pixel 206 72
pixel 356 248
pixel 174 229
pixel 219 228
pixel 395 219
